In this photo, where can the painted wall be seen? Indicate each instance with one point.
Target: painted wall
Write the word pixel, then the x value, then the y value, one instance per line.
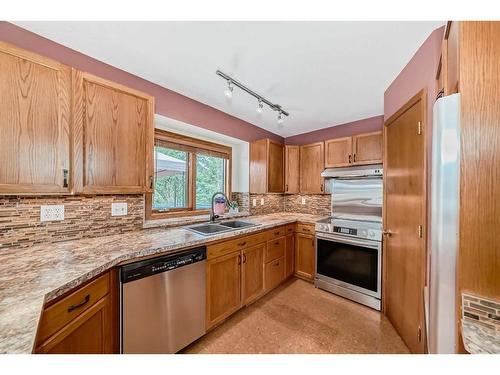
pixel 168 102
pixel 345 130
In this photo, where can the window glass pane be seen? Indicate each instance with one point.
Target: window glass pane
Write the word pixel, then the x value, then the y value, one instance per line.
pixel 210 178
pixel 171 179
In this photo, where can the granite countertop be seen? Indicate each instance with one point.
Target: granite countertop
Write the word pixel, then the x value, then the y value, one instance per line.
pixel 33 276
pixel 479 340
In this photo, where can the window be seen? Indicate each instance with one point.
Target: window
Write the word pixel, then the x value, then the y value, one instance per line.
pixel 187 172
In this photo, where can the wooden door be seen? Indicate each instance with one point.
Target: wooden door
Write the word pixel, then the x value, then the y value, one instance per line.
pixel 90 333
pixel 338 152
pixel 367 148
pixel 405 244
pixel 312 163
pixel 252 276
pixel 223 287
pixel 35 123
pixel 114 137
pixel 290 255
pixel 292 168
pixel 304 256
pixel 275 167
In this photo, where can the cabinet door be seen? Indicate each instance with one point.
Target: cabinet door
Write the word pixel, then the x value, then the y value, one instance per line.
pixel 35 123
pixel 311 166
pixel 290 255
pixel 292 168
pixel 223 287
pixel 90 333
pixel 367 148
pixel 114 137
pixel 338 152
pixel 275 167
pixel 304 255
pixel 252 277
pixel 274 273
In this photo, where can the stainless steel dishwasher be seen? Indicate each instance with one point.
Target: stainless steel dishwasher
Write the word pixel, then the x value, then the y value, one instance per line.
pixel 163 302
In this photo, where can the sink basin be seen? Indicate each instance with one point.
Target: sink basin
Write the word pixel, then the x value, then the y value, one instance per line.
pixel 208 229
pixel 214 228
pixel 238 224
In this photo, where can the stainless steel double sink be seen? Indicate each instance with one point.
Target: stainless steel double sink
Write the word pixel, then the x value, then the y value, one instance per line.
pixel 208 229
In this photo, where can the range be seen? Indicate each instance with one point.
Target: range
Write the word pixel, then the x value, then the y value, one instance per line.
pixel 349 243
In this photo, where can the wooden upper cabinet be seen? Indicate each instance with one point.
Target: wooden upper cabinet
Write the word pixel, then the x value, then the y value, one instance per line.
pixel 338 152
pixel 367 148
pixel 114 134
pixel 360 149
pixel 292 169
pixel 312 164
pixel 35 123
pixel 266 167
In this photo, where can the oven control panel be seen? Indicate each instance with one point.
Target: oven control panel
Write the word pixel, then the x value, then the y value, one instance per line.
pixel 345 230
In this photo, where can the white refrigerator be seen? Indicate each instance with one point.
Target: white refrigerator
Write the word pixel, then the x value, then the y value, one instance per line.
pixel 445 190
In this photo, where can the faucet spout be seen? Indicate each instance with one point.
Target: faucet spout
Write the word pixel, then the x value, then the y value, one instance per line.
pixel 213 216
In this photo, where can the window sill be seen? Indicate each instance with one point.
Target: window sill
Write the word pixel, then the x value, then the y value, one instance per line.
pixel 186 220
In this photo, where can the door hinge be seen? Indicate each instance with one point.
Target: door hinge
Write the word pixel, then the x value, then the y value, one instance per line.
pixel 419 334
pixel 419 128
pixel 420 231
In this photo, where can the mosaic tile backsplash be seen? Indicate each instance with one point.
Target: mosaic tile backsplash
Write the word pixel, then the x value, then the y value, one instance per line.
pixel 84 217
pixel 481 311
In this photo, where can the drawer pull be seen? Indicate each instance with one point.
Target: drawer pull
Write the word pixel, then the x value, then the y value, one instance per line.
pixel 276 264
pixel 242 243
pixel 306 229
pixel 276 233
pixel 276 242
pixel 83 303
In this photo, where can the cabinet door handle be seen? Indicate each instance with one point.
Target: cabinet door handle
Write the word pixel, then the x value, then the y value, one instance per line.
pixel 244 258
pixel 321 188
pixel 312 242
pixel 349 159
pixel 239 259
pixel 286 187
pixel 242 243
pixel 354 157
pixel 151 182
pixel 65 178
pixel 78 305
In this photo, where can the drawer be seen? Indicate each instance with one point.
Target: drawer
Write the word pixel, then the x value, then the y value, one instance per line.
pixel 274 273
pixel 289 229
pixel 275 249
pixel 64 311
pixel 304 228
pixel 275 233
pixel 227 247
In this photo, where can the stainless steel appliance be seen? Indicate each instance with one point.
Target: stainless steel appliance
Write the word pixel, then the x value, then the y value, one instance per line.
pixel 445 183
pixel 349 243
pixel 163 302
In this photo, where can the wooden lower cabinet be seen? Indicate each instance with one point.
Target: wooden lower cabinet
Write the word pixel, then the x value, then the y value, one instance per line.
pixel 223 287
pixel 83 322
pixel 289 255
pixel 252 275
pixel 274 273
pixel 304 256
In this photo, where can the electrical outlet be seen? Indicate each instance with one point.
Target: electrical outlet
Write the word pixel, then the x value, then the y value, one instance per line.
pixel 119 209
pixel 261 201
pixel 303 200
pixel 254 202
pixel 53 212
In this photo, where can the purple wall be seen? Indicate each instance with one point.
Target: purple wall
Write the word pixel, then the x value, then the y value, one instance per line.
pixel 168 102
pixel 345 130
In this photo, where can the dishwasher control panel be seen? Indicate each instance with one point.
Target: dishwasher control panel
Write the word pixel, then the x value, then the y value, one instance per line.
pixel 138 270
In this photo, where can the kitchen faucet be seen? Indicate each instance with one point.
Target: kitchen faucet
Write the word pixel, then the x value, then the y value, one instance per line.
pixel 212 215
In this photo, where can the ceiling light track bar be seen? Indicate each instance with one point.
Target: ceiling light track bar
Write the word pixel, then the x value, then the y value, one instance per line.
pixel 275 107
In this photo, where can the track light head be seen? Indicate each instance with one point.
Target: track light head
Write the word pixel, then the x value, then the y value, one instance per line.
pixel 260 107
pixel 229 91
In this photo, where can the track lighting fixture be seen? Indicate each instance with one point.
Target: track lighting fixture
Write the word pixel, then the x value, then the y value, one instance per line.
pixel 260 108
pixel 229 91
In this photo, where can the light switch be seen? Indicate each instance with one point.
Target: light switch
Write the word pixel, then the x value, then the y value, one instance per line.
pixel 303 200
pixel 53 212
pixel 119 209
pixel 254 202
pixel 261 201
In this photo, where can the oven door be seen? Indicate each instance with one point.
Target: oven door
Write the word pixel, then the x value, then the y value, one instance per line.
pixel 352 263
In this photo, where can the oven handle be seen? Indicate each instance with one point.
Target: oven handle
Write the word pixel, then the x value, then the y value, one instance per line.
pixel 354 241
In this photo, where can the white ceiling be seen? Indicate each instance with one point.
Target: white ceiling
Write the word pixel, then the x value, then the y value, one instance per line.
pixel 323 73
